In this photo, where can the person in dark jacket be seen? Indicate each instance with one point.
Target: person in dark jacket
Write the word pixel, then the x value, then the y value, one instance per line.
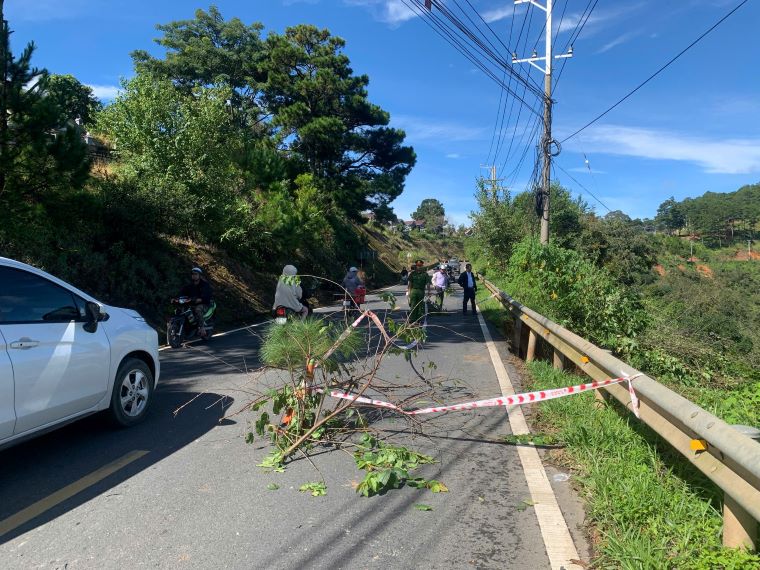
pixel 199 290
pixel 467 282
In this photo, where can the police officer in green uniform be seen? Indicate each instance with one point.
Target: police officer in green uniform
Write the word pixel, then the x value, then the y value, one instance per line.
pixel 418 282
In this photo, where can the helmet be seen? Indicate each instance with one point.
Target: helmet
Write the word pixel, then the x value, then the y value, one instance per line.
pixel 197 270
pixel 353 269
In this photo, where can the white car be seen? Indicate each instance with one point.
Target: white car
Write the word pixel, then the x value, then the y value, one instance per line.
pixel 64 355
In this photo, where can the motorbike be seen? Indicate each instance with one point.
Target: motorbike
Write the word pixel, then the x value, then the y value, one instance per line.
pixel 183 326
pixel 283 314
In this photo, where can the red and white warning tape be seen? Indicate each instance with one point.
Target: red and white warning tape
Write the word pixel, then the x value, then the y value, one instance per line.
pixel 515 400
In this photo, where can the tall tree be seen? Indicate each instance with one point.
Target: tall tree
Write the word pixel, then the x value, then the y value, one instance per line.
pixel 211 52
pixel 670 215
pixel 323 117
pixel 73 100
pixel 35 153
pixel 431 211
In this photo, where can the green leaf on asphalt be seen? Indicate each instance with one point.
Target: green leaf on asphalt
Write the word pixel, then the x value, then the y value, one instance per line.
pixel 316 489
pixel 437 486
pixel 273 486
pixel 421 507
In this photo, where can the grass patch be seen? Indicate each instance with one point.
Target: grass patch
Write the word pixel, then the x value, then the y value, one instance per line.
pixel 651 509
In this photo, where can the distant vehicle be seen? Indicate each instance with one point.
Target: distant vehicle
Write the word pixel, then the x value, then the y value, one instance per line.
pixel 454 264
pixel 65 355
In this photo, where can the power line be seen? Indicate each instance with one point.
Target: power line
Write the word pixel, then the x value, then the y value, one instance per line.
pixel 582 186
pixel 656 73
pixel 576 33
pixel 468 45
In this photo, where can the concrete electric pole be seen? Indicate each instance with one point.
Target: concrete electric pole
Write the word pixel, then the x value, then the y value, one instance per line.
pixel 546 140
pixel 494 183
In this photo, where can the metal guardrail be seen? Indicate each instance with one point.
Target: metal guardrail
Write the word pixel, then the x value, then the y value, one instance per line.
pixel 726 456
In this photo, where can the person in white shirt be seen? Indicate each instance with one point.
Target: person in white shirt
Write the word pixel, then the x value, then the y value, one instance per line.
pixel 440 281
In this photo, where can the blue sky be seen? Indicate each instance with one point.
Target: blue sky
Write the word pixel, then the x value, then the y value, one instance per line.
pixel 694 128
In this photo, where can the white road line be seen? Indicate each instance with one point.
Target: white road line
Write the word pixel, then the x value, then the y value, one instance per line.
pixel 559 544
pixel 219 335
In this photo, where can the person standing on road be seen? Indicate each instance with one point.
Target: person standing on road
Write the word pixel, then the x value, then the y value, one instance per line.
pixel 418 283
pixel 199 291
pixel 440 282
pixel 467 282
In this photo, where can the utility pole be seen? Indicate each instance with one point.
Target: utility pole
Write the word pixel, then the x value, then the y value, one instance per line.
pixel 546 140
pixel 749 250
pixel 494 182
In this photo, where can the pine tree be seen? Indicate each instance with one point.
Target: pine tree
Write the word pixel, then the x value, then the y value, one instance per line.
pixel 35 150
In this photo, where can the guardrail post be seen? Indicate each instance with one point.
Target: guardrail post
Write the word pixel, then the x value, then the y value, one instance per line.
pixel 558 360
pixel 739 528
pixel 518 335
pixel 530 354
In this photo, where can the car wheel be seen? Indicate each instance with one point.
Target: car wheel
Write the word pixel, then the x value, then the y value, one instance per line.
pixel 132 392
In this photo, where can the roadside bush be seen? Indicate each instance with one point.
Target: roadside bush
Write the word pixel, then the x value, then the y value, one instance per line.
pixel 568 288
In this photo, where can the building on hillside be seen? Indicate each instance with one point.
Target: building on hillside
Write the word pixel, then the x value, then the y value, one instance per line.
pixel 414 225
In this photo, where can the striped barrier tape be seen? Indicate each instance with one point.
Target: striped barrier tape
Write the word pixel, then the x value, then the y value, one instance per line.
pixel 514 400
pixel 367 314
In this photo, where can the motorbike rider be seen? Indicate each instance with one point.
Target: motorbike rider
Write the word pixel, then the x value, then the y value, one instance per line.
pixel 440 281
pixel 199 291
pixel 288 293
pixel 351 282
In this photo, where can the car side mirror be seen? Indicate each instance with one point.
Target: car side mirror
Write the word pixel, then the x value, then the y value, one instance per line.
pixel 93 316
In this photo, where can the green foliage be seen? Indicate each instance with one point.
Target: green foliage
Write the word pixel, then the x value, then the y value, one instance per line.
pixel 563 285
pixel 38 153
pixel 211 52
pixel 291 346
pixel 177 148
pixel 388 467
pixel 649 515
pixel 500 224
pixel 72 99
pixel 614 243
pixel 670 216
pixel 719 217
pixel 317 489
pixel 431 211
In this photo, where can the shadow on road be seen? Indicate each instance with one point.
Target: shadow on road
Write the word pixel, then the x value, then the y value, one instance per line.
pixel 32 471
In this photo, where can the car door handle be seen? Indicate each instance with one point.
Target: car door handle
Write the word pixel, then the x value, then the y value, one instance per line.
pixel 24 343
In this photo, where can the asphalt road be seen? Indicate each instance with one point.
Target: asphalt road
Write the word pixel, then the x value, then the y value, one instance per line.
pixel 182 490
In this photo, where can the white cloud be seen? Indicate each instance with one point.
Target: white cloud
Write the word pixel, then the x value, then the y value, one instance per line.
pixel 621 39
pixel 105 91
pixel 497 14
pixel 453 155
pixel 583 170
pixel 421 129
pixel 392 12
pixel 715 156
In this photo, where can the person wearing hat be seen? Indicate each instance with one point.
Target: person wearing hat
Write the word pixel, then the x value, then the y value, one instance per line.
pixel 288 293
pixel 199 290
pixel 418 283
pixel 352 280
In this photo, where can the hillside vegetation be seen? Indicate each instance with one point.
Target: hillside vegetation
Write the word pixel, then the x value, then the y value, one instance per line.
pixel 234 151
pixel 686 311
